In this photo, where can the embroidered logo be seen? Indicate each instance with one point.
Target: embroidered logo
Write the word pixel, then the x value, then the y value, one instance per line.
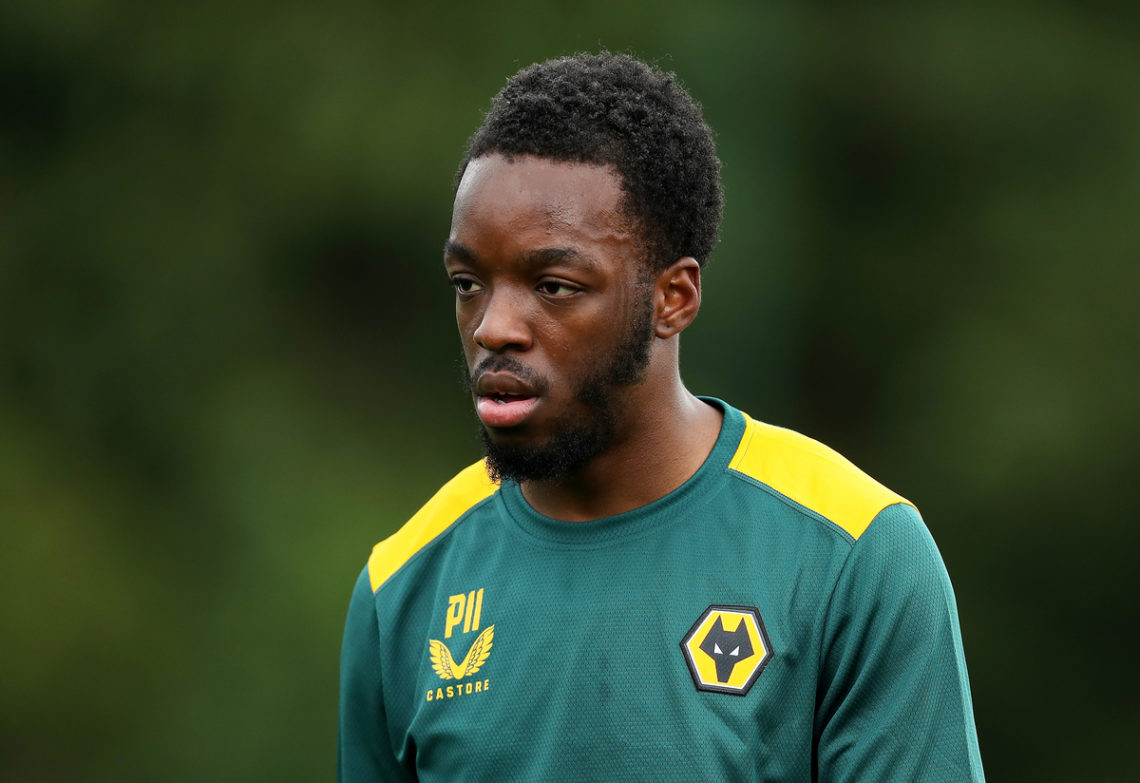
pixel 465 608
pixel 726 649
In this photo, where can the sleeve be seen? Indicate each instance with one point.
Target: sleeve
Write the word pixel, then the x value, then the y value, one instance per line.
pixel 364 751
pixel 894 697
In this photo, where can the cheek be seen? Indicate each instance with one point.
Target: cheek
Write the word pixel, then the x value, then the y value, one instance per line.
pixel 577 347
pixel 569 339
pixel 558 346
pixel 467 346
pixel 467 320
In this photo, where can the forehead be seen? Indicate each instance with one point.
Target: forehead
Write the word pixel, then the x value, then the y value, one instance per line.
pixel 526 198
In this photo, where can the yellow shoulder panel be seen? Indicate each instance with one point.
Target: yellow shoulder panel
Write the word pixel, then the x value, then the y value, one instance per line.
pixel 454 498
pixel 812 475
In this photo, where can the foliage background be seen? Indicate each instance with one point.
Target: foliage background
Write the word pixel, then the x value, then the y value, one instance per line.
pixel 227 361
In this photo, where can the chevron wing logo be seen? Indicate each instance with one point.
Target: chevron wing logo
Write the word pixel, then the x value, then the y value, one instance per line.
pixel 444 663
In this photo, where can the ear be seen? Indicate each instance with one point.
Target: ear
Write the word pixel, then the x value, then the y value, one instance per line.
pixel 677 297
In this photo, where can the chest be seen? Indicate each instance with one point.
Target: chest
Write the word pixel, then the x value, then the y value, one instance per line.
pixel 619 662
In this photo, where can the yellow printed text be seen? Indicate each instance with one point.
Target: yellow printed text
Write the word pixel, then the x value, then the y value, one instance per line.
pixel 462 689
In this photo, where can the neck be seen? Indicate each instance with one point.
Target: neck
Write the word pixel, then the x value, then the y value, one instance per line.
pixel 665 439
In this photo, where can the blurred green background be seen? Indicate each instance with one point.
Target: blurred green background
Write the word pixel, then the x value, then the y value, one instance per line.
pixel 228 361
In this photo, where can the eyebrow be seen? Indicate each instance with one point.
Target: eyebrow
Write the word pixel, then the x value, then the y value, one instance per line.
pixel 541 257
pixel 560 255
pixel 459 251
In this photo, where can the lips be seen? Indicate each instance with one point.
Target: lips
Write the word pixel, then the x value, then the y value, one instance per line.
pixel 503 399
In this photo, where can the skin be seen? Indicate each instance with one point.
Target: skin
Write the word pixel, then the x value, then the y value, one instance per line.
pixel 546 271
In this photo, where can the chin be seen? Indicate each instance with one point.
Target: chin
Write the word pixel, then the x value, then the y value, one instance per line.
pixel 528 459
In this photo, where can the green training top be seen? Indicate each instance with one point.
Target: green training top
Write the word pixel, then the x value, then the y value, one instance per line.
pixel 779 617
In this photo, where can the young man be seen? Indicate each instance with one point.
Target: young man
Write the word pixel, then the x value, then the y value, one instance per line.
pixel 636 583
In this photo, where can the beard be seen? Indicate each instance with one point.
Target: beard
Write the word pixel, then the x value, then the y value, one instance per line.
pixel 581 436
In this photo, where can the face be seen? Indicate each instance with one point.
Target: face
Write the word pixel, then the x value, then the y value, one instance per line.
pixel 554 310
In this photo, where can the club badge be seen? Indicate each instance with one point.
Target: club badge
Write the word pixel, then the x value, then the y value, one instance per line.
pixel 726 649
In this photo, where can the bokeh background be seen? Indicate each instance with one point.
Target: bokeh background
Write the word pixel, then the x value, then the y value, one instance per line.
pixel 228 362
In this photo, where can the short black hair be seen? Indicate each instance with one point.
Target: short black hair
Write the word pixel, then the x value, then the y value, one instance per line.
pixel 613 109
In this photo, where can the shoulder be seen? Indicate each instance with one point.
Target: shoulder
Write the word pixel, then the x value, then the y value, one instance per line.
pixel 812 477
pixel 465 491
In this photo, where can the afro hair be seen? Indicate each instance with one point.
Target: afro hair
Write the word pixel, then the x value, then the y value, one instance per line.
pixel 612 109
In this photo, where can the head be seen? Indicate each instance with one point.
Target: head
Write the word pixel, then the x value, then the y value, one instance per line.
pixel 611 109
pixel 587 199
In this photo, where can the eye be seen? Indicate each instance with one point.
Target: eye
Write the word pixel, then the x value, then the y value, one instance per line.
pixel 557 289
pixel 464 286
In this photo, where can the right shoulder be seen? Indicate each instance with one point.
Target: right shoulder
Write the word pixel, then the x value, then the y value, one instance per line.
pixel 469 488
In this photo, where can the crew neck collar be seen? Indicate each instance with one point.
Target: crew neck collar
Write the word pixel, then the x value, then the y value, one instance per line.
pixel 606 530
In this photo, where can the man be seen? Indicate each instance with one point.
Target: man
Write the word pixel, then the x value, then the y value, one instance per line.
pixel 636 583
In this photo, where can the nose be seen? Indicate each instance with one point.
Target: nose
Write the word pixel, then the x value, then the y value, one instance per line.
pixel 502 323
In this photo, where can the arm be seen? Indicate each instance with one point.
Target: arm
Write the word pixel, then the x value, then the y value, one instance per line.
pixel 894 697
pixel 364 749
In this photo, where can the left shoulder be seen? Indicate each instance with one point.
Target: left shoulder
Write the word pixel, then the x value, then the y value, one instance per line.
pixel 812 476
pixel 448 507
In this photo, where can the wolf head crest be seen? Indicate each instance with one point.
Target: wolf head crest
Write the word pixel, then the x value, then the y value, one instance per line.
pixel 727 648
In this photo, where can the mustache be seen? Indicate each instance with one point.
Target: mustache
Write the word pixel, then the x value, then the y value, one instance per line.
pixel 503 364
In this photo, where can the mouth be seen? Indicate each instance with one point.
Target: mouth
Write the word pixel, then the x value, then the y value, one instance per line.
pixel 504 410
pixel 503 400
